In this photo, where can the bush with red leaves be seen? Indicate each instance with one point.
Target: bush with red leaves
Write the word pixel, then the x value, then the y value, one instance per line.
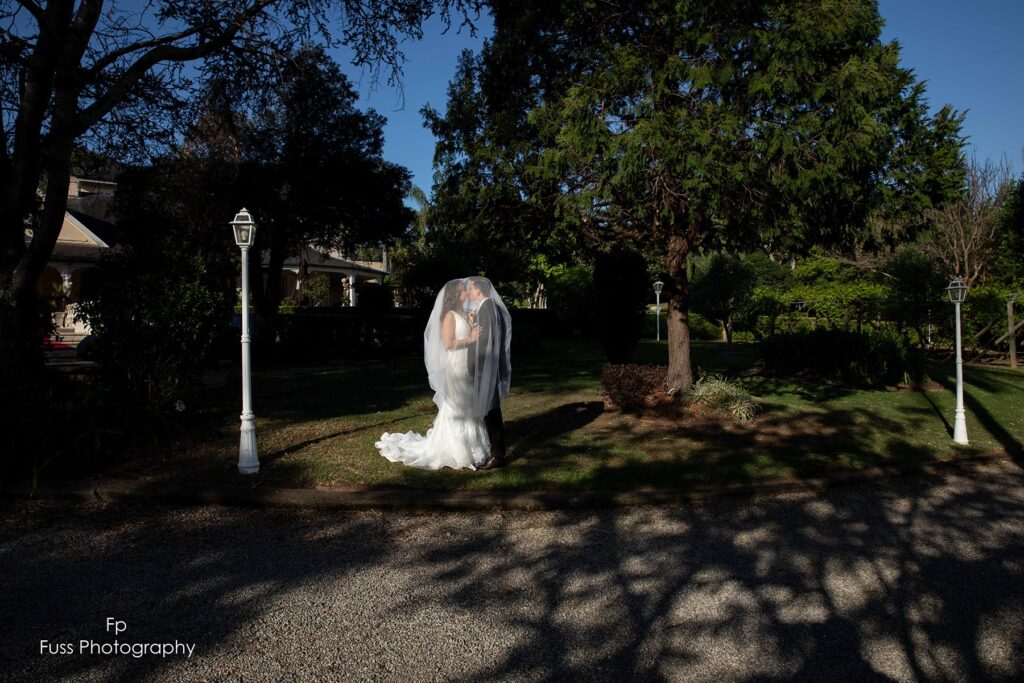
pixel 629 386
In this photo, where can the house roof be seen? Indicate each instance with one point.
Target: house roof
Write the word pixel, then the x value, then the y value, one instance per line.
pixel 72 252
pixel 317 261
pixel 104 230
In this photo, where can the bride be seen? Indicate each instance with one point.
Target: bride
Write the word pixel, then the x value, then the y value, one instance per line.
pixel 458 437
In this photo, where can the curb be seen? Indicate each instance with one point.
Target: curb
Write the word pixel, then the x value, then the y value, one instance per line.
pixel 426 500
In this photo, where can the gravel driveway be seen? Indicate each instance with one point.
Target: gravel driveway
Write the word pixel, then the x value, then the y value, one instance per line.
pixel 916 579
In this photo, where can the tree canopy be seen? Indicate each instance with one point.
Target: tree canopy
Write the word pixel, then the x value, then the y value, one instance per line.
pixel 313 166
pixel 93 72
pixel 761 124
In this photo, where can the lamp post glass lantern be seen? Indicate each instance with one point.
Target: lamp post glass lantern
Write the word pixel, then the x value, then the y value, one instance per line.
pixel 244 228
pixel 248 460
pixel 657 309
pixel 957 291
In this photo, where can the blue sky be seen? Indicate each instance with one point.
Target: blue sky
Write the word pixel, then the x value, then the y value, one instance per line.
pixel 967 51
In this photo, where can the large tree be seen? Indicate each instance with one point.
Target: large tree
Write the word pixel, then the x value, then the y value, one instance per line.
pixel 726 124
pixel 96 71
pixel 313 163
pixel 487 204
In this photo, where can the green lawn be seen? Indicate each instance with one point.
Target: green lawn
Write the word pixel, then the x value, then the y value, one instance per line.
pixel 317 425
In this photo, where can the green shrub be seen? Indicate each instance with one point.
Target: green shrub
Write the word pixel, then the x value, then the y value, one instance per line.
pixel 915 290
pixel 628 385
pixel 723 396
pixel 570 294
pixel 155 324
pixel 316 289
pixel 721 289
pixel 703 329
pixel 861 359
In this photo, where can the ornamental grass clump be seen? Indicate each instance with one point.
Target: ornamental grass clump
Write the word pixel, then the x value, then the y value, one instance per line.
pixel 725 397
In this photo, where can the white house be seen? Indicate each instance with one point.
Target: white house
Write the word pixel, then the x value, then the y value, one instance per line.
pixel 88 232
pixel 85 235
pixel 343 274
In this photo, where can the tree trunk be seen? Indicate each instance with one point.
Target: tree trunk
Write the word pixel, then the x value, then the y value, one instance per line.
pixel 680 374
pixel 27 270
pixel 21 174
pixel 54 64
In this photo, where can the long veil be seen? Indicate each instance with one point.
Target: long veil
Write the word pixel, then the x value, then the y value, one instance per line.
pixel 435 355
pixel 489 359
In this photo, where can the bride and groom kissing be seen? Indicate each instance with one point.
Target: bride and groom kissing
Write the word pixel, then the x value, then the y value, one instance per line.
pixel 466 350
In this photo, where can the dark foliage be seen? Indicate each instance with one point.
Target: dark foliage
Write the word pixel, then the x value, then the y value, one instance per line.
pixel 25 393
pixel 423 276
pixel 156 323
pixel 545 321
pixel 722 290
pixel 571 298
pixel 627 386
pixel 350 332
pixel 374 297
pixel 1008 268
pixel 621 292
pixel 870 359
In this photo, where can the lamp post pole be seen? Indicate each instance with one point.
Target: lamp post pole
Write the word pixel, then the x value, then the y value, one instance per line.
pixel 957 290
pixel 657 309
pixel 248 459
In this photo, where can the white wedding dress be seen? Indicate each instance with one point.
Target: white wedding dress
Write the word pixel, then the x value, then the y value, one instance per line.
pixel 457 439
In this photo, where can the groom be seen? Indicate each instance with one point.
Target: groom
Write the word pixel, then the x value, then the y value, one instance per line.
pixel 491 328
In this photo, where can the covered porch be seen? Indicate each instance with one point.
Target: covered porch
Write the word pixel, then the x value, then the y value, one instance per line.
pixel 343 276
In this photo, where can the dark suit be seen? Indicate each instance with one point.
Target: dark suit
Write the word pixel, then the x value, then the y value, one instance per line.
pixel 492 324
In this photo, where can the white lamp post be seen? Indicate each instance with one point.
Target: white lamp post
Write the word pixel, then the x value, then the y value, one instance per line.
pixel 248 460
pixel 657 310
pixel 957 292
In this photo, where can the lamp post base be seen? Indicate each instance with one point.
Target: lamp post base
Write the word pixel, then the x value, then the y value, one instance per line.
pixel 960 428
pixel 248 459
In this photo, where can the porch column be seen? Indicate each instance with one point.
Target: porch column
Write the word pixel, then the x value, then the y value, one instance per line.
pixel 65 319
pixel 351 290
pixel 297 291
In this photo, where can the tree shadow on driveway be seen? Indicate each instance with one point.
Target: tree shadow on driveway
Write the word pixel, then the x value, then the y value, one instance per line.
pixel 914 579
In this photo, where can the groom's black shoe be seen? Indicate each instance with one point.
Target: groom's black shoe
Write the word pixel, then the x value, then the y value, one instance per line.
pixel 492 464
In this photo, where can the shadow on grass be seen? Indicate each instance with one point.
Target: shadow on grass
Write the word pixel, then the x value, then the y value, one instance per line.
pixel 769 387
pixel 270 457
pixel 581 446
pixel 996 382
pixel 528 433
pixel 938 413
pixel 304 394
pixel 779 445
pixel 805 432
